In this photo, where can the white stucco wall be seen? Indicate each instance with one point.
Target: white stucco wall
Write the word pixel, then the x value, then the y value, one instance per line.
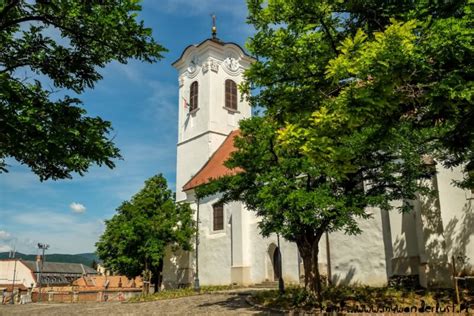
pixel 23 275
pixel 360 258
pixel 457 215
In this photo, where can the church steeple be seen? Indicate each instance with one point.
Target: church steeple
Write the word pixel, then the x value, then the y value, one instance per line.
pixel 210 106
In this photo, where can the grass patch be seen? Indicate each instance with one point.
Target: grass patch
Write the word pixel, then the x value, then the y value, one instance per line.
pixel 177 293
pixel 345 297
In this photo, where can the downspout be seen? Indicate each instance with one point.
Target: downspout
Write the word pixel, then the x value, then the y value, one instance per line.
pixel 281 284
pixel 197 287
pixel 328 259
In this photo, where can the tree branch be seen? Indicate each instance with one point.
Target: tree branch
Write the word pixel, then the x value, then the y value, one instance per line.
pixel 7 8
pixel 328 34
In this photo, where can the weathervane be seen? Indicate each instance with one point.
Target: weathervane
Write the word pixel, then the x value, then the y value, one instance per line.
pixel 214 28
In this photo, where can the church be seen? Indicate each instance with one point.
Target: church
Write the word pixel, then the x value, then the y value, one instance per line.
pixel 420 245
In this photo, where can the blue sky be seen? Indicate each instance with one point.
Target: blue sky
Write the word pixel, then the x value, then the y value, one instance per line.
pixel 141 101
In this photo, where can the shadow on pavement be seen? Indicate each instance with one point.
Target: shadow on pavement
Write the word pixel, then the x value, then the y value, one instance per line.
pixel 237 302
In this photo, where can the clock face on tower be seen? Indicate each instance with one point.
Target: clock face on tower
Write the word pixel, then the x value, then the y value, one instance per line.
pixel 193 64
pixel 232 63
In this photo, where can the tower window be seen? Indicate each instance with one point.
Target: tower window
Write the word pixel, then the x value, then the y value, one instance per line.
pixel 230 94
pixel 218 216
pixel 193 96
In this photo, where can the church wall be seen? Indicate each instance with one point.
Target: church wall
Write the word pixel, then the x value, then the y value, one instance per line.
pixel 438 227
pixel 191 156
pixel 178 269
pixel 214 246
pixel 360 258
pixel 457 214
pixel 262 251
pixel 406 241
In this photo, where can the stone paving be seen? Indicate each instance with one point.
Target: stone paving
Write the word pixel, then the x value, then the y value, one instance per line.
pixel 206 304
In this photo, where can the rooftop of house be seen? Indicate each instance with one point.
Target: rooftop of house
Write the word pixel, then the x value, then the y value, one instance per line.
pixel 58 267
pixel 109 282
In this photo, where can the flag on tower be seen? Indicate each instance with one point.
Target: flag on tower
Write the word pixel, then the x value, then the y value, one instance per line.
pixel 186 104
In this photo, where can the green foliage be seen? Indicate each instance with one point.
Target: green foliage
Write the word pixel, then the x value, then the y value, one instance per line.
pixel 356 98
pixel 136 238
pixel 351 296
pixel 301 199
pixel 378 72
pixel 51 135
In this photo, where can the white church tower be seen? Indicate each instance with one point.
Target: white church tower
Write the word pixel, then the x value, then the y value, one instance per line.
pixel 210 105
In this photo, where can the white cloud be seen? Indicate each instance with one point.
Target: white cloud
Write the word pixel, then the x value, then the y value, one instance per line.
pixel 5 248
pixel 5 238
pixel 4 235
pixel 77 207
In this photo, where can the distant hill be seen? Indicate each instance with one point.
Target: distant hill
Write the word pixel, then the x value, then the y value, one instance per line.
pixel 84 258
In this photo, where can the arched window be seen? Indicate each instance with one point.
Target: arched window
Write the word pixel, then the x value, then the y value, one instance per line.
pixel 193 96
pixel 218 217
pixel 230 94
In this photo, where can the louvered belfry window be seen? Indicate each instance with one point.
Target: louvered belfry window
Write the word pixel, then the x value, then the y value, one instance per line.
pixel 193 96
pixel 218 216
pixel 230 94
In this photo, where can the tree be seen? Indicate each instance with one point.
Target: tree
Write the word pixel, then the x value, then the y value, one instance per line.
pixel 366 90
pixel 301 200
pixel 136 238
pixel 63 44
pixel 333 69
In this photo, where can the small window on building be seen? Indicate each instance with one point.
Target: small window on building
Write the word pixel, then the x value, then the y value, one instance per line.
pixel 218 216
pixel 193 96
pixel 230 94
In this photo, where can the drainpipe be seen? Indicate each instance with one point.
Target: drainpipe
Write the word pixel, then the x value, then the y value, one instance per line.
pixel 281 284
pixel 328 259
pixel 197 287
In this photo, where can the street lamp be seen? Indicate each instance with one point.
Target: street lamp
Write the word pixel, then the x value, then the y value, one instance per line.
pixel 43 247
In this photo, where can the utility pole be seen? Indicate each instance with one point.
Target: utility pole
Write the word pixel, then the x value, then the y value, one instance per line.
pixel 13 282
pixel 43 247
pixel 197 286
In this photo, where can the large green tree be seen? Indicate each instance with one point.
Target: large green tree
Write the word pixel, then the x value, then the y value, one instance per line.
pixel 136 238
pixel 62 44
pixel 356 94
pixel 301 200
pixel 334 69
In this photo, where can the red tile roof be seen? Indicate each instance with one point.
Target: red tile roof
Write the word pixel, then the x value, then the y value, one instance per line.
pixel 214 167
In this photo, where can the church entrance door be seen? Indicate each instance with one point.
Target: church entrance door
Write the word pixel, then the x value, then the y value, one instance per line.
pixel 276 263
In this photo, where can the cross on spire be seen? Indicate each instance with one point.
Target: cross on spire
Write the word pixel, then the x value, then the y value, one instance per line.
pixel 214 28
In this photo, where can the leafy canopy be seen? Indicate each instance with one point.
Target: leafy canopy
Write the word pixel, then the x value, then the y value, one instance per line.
pixel 135 239
pixel 333 70
pixel 301 200
pixel 63 44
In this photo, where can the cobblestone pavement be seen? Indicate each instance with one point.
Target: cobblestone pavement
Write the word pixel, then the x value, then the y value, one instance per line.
pixel 207 304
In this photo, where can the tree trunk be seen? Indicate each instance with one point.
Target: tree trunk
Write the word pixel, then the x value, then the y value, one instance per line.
pixel 158 276
pixel 146 280
pixel 309 251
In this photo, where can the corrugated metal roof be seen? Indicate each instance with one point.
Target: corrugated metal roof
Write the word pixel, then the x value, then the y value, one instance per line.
pixel 59 267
